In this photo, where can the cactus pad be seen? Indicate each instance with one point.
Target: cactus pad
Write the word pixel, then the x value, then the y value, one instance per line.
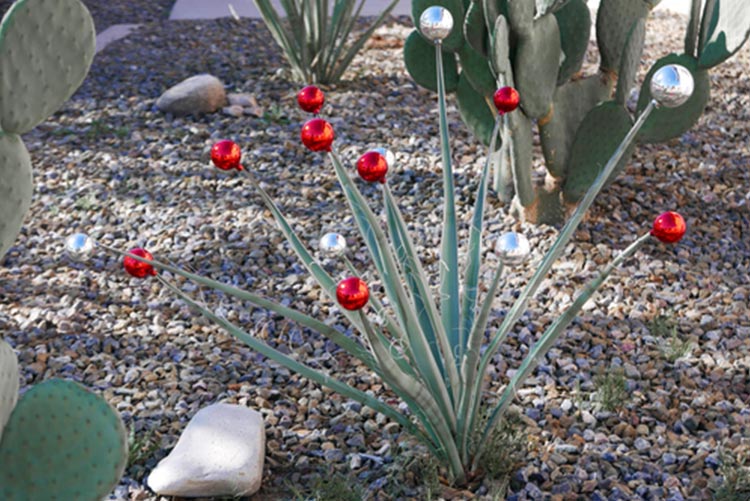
pixel 476 68
pixel 537 62
pixel 15 188
pixel 728 28
pixel 8 383
pixel 455 40
pixel 46 48
pixel 597 138
pixel 62 442
pixel 474 110
pixel 518 153
pixel 574 21
pixel 631 58
pixel 475 29
pixel 572 103
pixel 419 58
pixel 668 123
pixel 614 21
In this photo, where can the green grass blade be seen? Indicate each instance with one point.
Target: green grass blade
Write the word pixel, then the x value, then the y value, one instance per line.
pixel 346 343
pixel 474 252
pixel 303 370
pixel 392 282
pixel 553 332
pixel 449 298
pixel 357 46
pixel 419 286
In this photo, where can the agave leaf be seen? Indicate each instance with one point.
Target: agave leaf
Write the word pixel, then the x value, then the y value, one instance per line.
pixel 284 39
pixel 419 286
pixel 552 333
pixel 378 244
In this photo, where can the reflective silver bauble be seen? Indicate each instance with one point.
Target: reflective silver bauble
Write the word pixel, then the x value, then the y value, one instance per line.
pixel 672 85
pixel 332 244
pixel 79 246
pixel 436 23
pixel 512 248
pixel 390 158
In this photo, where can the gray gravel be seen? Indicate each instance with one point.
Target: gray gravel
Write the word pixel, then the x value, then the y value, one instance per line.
pixel 111 165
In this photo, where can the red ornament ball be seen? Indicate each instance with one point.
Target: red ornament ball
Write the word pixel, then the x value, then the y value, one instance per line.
pixel 506 99
pixel 372 167
pixel 137 268
pixel 226 155
pixel 352 293
pixel 317 135
pixel 311 99
pixel 669 227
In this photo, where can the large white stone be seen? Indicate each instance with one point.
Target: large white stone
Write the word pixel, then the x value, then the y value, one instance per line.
pixel 199 94
pixel 220 453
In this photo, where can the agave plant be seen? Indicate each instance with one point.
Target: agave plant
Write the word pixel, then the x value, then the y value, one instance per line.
pixel 430 352
pixel 315 37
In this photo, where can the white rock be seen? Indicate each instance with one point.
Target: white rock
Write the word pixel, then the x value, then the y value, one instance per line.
pixel 220 453
pixel 234 110
pixel 198 94
pixel 244 100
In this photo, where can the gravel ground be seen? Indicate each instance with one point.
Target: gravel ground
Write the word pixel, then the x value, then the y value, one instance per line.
pixel 111 165
pixel 109 12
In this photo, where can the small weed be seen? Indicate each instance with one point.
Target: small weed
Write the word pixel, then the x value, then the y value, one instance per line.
pixel 140 447
pixel 63 131
pixel 276 114
pixel 672 346
pixel 86 202
pixel 335 487
pixel 611 390
pixel 99 128
pixel 505 452
pixel 736 478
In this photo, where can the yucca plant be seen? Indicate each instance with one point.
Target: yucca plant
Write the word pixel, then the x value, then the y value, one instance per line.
pixel 431 353
pixel 315 35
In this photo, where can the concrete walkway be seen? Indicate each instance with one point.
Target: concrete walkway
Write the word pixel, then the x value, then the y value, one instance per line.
pixel 212 9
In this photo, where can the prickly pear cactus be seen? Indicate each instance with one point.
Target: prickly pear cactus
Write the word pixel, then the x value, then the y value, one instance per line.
pixel 60 441
pixel 538 46
pixel 46 48
pixel 8 383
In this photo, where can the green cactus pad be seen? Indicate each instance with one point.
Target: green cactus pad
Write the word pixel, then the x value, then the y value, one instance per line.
pixel 475 29
pixel 614 20
pixel 668 123
pixel 548 6
pixel 62 443
pixel 574 21
pixel 46 48
pixel 475 110
pixel 597 138
pixel 476 68
pixel 537 62
pixel 492 9
pixel 8 383
pixel 419 58
pixel 518 154
pixel 15 188
pixel 455 40
pixel 501 50
pixel 630 61
pixel 572 103
pixel 728 28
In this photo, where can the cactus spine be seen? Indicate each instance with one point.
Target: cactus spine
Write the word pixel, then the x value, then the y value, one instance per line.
pixel 538 46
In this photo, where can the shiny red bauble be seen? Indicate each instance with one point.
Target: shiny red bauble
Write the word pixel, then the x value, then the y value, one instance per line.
pixel 372 167
pixel 506 99
pixel 669 227
pixel 226 155
pixel 352 293
pixel 317 135
pixel 311 99
pixel 137 268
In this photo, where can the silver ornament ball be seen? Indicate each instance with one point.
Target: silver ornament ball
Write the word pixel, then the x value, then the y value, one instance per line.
pixel 672 85
pixel 436 23
pixel 79 246
pixel 512 248
pixel 390 158
pixel 332 244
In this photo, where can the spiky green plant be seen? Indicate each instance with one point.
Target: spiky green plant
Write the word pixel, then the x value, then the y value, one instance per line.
pixel 429 351
pixel 59 441
pixel 538 46
pixel 42 62
pixel 315 35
